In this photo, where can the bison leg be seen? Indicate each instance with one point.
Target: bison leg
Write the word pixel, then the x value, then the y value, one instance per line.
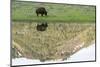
pixel 37 14
pixel 41 14
pixel 46 14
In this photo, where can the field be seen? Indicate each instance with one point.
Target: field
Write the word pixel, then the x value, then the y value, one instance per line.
pixel 70 28
pixel 57 42
pixel 25 11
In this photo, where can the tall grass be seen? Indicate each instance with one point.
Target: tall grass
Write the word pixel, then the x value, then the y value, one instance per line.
pixel 47 45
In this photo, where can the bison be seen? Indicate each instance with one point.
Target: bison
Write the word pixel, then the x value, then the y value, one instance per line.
pixel 42 27
pixel 42 11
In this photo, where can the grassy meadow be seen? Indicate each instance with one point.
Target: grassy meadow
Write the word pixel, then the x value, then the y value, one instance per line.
pixel 70 28
pixel 25 11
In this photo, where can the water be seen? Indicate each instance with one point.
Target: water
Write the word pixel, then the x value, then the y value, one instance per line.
pixel 86 54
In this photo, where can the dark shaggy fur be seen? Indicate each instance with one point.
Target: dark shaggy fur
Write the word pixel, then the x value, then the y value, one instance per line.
pixel 42 27
pixel 42 11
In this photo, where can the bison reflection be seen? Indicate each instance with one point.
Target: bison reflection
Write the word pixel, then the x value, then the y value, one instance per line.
pixel 42 27
pixel 42 11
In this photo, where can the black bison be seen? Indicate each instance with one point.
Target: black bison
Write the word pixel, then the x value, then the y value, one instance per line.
pixel 42 27
pixel 42 11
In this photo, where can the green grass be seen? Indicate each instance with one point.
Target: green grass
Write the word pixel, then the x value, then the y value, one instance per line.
pixel 25 11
